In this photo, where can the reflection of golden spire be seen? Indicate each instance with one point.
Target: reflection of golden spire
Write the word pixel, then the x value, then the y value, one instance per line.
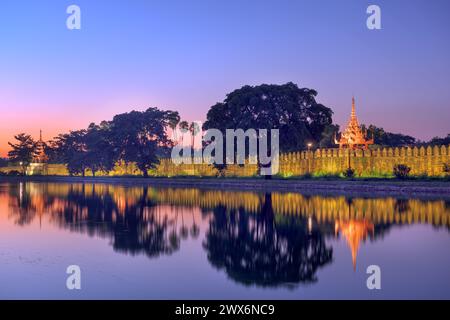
pixel 354 231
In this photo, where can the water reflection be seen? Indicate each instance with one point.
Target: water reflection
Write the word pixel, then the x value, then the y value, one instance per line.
pixel 254 248
pixel 277 239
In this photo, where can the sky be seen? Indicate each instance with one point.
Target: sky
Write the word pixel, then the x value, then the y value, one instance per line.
pixel 186 55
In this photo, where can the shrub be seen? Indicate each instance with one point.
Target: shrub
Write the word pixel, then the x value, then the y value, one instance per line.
pixel 401 171
pixel 446 168
pixel 306 176
pixel 349 173
pixel 14 173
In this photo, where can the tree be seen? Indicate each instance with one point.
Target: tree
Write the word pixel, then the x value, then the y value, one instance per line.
pixel 3 162
pixel 194 129
pixel 292 110
pixel 70 148
pixel 328 135
pixel 84 149
pixel 23 152
pixel 184 126
pixel 100 155
pixel 138 137
pixel 141 137
pixel 436 141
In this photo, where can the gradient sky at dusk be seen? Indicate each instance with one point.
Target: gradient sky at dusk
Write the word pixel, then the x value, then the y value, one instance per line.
pixel 186 55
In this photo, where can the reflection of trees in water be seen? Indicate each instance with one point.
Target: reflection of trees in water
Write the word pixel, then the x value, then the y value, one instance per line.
pixel 402 205
pixel 22 205
pixel 381 210
pixel 26 205
pixel 137 226
pixel 268 240
pixel 254 249
pixel 447 205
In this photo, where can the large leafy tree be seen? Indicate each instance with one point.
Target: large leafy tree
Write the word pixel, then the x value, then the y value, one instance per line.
pixel 23 151
pixel 292 110
pixel 100 155
pixel 85 149
pixel 141 137
pixel 70 148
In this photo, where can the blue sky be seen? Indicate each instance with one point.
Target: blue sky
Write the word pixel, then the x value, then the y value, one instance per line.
pixel 186 55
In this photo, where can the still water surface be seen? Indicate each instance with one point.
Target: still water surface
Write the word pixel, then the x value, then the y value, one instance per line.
pixel 171 243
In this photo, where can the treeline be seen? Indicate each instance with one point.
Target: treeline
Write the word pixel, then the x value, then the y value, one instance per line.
pixel 141 137
pixel 388 139
pixel 134 137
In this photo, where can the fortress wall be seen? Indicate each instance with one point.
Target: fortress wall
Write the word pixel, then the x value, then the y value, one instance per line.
pixel 377 162
pixel 422 161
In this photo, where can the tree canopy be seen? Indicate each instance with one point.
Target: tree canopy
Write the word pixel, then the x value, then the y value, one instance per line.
pixel 23 151
pixel 141 137
pixel 389 139
pixel 436 141
pixel 292 110
pixel 134 137
pixel 288 108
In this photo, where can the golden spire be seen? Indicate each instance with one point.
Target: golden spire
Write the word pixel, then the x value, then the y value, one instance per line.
pixel 353 137
pixel 40 157
pixel 353 116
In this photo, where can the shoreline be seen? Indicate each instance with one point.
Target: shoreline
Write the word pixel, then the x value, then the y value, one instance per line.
pixel 406 188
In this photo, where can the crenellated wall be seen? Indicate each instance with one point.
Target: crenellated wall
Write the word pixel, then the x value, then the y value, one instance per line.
pixel 367 163
pixel 422 161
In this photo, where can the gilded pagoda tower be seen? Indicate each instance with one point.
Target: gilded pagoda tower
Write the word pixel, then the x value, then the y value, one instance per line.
pixel 41 156
pixel 353 137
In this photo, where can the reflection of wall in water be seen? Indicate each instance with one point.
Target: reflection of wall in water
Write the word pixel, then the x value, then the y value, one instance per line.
pixel 329 208
pixel 156 221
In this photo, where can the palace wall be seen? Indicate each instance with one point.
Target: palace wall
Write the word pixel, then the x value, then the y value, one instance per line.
pixel 367 163
pixel 373 162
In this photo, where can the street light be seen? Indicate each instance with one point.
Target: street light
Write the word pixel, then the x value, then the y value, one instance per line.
pixel 309 145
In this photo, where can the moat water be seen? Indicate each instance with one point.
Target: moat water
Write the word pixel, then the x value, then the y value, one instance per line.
pixel 134 242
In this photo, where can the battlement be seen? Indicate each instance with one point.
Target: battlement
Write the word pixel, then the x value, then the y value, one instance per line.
pixel 427 161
